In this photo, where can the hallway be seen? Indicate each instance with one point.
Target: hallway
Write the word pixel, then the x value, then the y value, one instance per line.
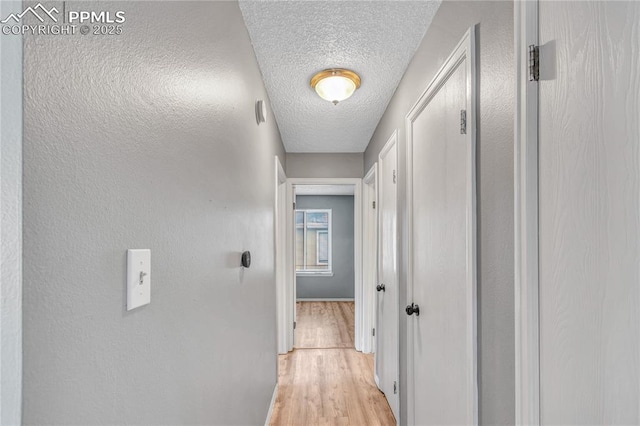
pixel 153 176
pixel 326 382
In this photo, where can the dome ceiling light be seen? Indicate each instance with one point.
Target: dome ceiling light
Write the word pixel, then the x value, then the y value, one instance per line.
pixel 335 84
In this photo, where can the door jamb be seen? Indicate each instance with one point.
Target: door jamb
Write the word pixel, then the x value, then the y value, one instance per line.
pixel 526 302
pixel 369 256
pixel 283 343
pixel 11 275
pixel 392 143
pixel 465 49
pixel 357 225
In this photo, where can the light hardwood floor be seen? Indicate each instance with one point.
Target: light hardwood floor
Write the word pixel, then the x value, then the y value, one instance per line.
pixel 325 324
pixel 328 386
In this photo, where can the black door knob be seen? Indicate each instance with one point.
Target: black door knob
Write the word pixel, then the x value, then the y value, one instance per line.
pixel 380 287
pixel 413 309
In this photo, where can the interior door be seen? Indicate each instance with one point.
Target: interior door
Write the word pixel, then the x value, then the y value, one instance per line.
pixel 442 322
pixel 369 258
pixel 589 212
pixel 291 290
pixel 387 290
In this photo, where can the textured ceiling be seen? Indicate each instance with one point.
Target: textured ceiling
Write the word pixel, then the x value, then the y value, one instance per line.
pixel 295 39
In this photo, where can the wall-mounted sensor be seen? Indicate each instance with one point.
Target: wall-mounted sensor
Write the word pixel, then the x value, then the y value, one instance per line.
pixel 246 259
pixel 261 111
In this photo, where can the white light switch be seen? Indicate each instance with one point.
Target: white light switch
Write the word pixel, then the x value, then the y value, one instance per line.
pixel 138 278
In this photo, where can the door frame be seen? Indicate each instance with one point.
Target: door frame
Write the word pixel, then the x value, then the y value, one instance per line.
pixel 465 49
pixel 526 219
pixel 11 136
pixel 357 231
pixel 369 256
pixel 284 342
pixel 392 143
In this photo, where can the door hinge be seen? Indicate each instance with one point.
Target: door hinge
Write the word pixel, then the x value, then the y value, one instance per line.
pixel 374 204
pixel 534 63
pixel 394 176
pixel 294 325
pixel 463 121
pixel 395 387
pixel 373 332
pixel 294 206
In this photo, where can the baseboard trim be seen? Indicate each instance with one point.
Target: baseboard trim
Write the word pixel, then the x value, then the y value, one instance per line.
pixel 273 403
pixel 325 299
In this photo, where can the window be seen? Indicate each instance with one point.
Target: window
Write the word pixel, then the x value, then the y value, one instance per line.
pixel 313 241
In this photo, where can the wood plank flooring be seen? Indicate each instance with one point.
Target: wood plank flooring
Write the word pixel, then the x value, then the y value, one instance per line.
pixel 325 325
pixel 330 385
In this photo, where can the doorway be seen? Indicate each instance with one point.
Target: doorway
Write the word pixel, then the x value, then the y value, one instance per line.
pixel 287 285
pixel 324 266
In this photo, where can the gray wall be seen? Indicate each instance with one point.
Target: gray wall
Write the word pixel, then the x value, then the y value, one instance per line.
pixel 341 285
pixel 10 222
pixel 495 184
pixel 148 140
pixel 325 165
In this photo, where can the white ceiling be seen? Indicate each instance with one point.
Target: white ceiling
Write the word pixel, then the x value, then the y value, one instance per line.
pixel 295 39
pixel 325 189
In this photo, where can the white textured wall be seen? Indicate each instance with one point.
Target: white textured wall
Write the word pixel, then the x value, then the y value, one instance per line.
pixel 496 102
pixel 11 222
pixel 148 140
pixel 329 165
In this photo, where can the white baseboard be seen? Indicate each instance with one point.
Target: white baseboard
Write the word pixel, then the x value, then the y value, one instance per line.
pixel 325 299
pixel 273 403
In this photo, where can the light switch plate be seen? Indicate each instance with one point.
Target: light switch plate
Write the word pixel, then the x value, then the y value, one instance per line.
pixel 138 278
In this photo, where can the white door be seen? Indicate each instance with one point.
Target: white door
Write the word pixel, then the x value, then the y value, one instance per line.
pixel 386 358
pixel 442 324
pixel 369 258
pixel 291 256
pixel 589 212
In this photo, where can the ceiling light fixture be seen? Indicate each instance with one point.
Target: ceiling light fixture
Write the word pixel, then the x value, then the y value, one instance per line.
pixel 335 84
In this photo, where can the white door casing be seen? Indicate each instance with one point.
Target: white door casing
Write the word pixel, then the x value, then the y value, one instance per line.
pixel 11 222
pixel 526 219
pixel 585 341
pixel 387 313
pixel 281 264
pixel 357 231
pixel 441 205
pixel 369 257
pixel 289 306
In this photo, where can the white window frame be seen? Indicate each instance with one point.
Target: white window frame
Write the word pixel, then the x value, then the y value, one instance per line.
pixel 321 272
